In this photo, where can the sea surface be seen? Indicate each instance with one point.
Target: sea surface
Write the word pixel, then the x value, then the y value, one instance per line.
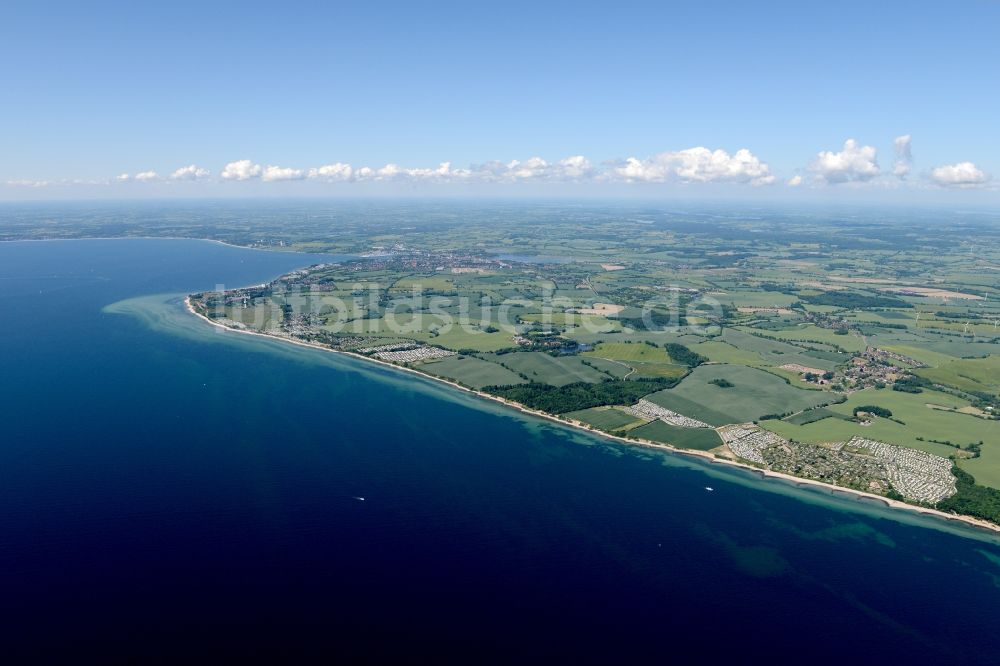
pixel 170 491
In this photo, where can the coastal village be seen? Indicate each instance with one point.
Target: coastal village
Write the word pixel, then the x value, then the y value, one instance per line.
pixel 861 463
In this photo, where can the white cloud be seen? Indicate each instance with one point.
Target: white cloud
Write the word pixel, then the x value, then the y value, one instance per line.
pixel 531 169
pixel 636 170
pixel 489 172
pixel 23 182
pixel 241 170
pixel 190 172
pixel 697 165
pixel 961 175
pixel 576 167
pixel 443 173
pixel 276 173
pixel 332 172
pixel 390 172
pixel 904 156
pixel 852 164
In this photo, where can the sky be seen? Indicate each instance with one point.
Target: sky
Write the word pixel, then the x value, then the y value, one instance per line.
pixel 781 100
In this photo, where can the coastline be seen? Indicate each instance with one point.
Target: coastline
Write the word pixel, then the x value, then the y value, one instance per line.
pixel 703 455
pixel 182 238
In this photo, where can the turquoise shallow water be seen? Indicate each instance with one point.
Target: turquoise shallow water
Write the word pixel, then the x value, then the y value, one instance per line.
pixel 168 489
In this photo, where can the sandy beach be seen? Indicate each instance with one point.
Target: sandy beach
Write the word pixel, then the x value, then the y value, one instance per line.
pixel 850 492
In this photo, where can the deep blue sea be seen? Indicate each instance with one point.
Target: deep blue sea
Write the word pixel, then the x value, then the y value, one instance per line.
pixel 172 492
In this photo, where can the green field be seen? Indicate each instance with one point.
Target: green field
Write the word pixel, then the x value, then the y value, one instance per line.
pixel 757 299
pixel 657 370
pixel 793 377
pixel 554 370
pixel 808 333
pixel 613 368
pixel 676 401
pixel 619 336
pixel 593 322
pixel 701 439
pixel 608 419
pixel 813 415
pixel 459 338
pixel 723 352
pixel 754 394
pixel 922 354
pixel 884 317
pixel 774 352
pixel 975 374
pixel 642 359
pixel 911 409
pixel 623 351
pixel 472 371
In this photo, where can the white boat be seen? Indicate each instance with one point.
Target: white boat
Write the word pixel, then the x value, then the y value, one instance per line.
pixel 709 488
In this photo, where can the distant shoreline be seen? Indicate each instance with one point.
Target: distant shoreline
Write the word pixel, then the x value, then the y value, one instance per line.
pixel 763 473
pixel 180 238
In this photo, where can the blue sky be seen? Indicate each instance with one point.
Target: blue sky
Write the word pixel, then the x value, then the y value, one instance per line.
pixel 94 91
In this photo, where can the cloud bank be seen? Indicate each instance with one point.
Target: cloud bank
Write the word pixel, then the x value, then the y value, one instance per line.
pixel 855 164
pixel 694 165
